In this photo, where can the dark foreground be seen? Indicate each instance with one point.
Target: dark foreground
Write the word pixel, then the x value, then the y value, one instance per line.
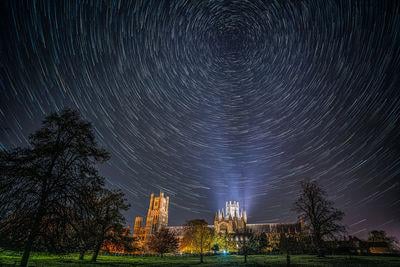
pixel 39 259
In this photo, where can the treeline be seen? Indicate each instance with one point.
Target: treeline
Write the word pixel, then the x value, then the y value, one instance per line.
pixel 52 197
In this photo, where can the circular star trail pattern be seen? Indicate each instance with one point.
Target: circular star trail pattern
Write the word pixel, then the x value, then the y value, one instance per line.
pixel 212 101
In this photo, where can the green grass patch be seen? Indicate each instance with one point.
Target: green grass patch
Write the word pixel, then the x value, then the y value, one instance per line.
pixel 9 258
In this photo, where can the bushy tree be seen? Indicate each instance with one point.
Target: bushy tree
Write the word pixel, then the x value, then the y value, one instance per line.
pixel 40 184
pixel 215 248
pixel 198 236
pixel 163 241
pixel 262 240
pixel 121 241
pixel 322 219
pixel 100 218
pixel 378 236
pixel 83 223
pixel 225 242
pixel 108 219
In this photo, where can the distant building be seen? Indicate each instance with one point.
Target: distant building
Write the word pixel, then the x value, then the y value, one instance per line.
pixel 354 245
pixel 379 248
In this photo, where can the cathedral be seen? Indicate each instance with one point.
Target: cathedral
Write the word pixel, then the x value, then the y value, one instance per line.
pixel 228 221
pixel 234 220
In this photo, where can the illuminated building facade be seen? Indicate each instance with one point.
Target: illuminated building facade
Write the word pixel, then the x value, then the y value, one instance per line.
pixel 157 218
pixel 227 222
pixel 231 220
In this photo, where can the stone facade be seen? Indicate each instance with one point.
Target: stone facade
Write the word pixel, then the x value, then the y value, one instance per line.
pixel 231 220
pixel 157 218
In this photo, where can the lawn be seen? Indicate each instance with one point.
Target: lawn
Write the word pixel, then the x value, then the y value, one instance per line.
pixel 39 259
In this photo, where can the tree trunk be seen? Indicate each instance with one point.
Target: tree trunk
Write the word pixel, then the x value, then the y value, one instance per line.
pixel 245 258
pixel 31 238
pixel 201 247
pixel 27 250
pixel 318 244
pixel 321 251
pixel 287 259
pixel 81 254
pixel 96 251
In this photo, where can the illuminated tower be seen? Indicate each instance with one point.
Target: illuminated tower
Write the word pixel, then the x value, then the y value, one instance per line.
pixel 231 220
pixel 157 215
pixel 137 227
pixel 232 209
pixel 157 218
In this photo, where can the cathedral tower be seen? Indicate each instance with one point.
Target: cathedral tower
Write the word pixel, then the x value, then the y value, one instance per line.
pixel 230 220
pixel 137 227
pixel 157 215
pixel 157 218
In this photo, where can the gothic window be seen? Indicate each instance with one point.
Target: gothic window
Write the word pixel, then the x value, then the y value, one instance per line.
pixel 223 228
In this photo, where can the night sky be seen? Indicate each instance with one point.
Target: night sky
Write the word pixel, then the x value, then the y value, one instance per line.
pixel 212 101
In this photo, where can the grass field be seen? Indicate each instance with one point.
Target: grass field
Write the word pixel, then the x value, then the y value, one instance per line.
pixel 39 259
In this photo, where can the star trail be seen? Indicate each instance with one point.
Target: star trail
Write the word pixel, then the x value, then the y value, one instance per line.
pixel 212 101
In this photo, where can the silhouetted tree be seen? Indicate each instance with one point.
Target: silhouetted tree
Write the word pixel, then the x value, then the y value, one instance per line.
pixel 83 222
pixel 262 242
pixel 39 183
pixel 304 243
pixel 109 221
pixel 323 221
pixel 377 236
pixel 287 244
pixel 119 241
pixel 163 241
pixel 198 236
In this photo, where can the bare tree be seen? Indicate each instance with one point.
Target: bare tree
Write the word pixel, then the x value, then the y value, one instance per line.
pixel 39 183
pixel 163 241
pixel 323 221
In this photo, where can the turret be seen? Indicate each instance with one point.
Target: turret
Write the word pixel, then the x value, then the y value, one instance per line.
pixel 137 226
pixel 151 201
